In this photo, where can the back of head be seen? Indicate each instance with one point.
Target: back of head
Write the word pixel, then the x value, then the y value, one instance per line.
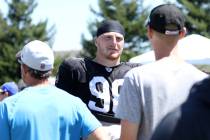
pixel 110 26
pixel 167 19
pixel 39 57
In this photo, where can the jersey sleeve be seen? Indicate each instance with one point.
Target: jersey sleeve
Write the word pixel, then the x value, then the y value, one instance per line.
pixel 133 65
pixel 67 75
pixel 4 126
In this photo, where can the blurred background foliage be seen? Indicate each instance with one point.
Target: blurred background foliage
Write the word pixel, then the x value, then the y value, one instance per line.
pixel 17 29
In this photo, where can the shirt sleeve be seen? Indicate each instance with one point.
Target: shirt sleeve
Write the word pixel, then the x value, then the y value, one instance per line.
pixel 4 126
pixel 129 107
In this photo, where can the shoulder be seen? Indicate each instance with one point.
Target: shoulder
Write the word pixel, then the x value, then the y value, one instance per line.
pixel 72 62
pixel 197 73
pixel 136 67
pixel 9 103
pixel 204 84
pixel 64 95
pixel 145 71
pixel 77 65
pixel 126 66
pixel 130 64
pixel 201 87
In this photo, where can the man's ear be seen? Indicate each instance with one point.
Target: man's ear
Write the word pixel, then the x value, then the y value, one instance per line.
pixel 183 32
pixel 6 94
pixel 149 32
pixel 95 41
pixel 26 69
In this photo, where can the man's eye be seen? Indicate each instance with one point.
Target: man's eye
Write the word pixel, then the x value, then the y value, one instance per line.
pixel 108 37
pixel 119 38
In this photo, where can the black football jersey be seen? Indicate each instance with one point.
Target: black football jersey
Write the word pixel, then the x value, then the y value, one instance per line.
pixel 97 85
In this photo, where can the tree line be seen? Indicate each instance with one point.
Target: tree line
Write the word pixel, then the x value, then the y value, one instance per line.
pixel 17 28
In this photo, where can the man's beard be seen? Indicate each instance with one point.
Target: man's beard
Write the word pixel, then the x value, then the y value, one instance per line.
pixel 115 57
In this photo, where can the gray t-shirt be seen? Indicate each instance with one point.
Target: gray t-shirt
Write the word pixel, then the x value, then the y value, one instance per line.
pixel 149 92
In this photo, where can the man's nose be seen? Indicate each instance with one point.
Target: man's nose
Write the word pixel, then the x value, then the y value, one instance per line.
pixel 114 40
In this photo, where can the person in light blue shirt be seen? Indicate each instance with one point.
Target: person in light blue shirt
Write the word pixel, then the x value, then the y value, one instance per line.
pixel 42 111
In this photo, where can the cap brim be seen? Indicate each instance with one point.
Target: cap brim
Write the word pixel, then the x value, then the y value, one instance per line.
pixel 18 56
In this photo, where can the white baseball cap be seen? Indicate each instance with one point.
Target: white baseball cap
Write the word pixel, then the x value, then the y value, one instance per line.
pixel 37 55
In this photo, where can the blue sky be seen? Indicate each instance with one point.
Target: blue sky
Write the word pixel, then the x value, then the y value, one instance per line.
pixel 70 18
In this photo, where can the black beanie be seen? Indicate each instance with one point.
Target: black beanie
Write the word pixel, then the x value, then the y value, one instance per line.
pixel 110 26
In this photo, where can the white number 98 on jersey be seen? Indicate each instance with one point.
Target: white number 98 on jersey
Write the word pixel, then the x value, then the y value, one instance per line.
pixel 104 94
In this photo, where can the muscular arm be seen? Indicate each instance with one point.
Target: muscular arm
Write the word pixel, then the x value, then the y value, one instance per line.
pixel 129 130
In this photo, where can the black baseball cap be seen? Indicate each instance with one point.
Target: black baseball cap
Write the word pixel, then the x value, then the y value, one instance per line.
pixel 110 26
pixel 166 19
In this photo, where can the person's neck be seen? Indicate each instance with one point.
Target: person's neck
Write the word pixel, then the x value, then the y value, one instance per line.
pixel 172 55
pixel 166 51
pixel 37 82
pixel 107 62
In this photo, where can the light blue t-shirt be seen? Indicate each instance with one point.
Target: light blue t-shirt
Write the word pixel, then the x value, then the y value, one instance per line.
pixel 45 113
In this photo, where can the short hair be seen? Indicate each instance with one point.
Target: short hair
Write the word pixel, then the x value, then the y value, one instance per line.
pixel 40 75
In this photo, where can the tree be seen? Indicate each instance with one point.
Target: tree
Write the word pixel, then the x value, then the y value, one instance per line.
pixel 131 15
pixel 16 30
pixel 197 16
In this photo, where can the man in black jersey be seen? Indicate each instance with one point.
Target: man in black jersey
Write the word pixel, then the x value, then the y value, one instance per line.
pixel 97 82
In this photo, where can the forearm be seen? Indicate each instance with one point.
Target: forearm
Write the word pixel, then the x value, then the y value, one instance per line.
pixel 129 130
